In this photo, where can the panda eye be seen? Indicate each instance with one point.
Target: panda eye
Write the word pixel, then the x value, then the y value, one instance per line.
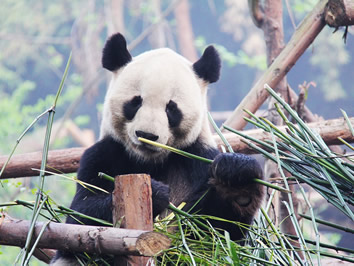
pixel 174 114
pixel 136 101
pixel 131 107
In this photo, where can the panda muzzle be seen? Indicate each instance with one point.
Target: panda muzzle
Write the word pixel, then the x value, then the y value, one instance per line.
pixel 146 135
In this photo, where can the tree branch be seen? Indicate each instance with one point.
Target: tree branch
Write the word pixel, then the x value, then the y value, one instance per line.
pixel 67 160
pixel 310 27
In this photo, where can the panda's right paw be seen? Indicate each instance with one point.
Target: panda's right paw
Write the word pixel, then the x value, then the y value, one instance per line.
pixel 234 169
pixel 160 196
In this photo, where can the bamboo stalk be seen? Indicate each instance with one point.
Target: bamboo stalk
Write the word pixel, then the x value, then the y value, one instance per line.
pixel 39 197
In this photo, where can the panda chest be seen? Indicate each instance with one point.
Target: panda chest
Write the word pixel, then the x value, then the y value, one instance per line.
pixel 179 182
pixel 180 188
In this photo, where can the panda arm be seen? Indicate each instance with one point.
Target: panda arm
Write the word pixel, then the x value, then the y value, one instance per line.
pixel 88 200
pixel 109 157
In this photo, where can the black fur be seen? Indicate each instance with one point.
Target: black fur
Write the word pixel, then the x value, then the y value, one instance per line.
pixel 208 66
pixel 111 157
pixel 246 166
pixel 174 114
pixel 115 53
pixel 131 107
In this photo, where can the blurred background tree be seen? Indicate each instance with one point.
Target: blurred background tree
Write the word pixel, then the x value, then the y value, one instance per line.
pixel 36 38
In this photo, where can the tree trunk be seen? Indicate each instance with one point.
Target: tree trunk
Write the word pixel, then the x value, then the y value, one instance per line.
pixel 157 37
pixel 115 10
pixel 185 31
pixel 67 160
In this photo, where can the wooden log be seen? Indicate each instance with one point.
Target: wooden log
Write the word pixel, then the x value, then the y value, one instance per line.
pixel 59 161
pixel 132 208
pixel 67 160
pixel 307 31
pixel 84 238
pixel 339 13
pixel 329 130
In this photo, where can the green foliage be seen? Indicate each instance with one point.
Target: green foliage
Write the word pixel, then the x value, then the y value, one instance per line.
pixel 16 115
pixel 302 7
pixel 232 59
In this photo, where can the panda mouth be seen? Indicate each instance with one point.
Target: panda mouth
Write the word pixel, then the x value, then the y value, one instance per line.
pixel 149 148
pixel 146 148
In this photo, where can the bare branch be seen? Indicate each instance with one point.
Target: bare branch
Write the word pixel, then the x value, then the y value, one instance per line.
pixel 67 160
pixel 84 238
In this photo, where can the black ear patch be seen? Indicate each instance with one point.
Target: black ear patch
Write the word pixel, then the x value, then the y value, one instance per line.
pixel 115 53
pixel 208 66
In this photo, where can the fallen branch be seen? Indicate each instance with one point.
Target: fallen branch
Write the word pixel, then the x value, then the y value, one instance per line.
pixel 310 27
pixel 83 238
pixel 67 160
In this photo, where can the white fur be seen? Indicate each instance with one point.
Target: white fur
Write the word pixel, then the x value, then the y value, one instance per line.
pixel 65 262
pixel 158 76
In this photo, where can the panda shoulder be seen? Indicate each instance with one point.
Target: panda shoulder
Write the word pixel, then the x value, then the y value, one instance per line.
pixel 203 149
pixel 100 155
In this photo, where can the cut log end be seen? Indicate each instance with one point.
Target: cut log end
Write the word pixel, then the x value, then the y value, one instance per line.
pixel 152 243
pixel 339 13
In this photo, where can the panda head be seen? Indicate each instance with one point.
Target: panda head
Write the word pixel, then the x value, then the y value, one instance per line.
pixel 158 95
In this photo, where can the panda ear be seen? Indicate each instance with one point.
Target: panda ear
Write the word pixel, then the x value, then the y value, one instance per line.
pixel 115 53
pixel 208 66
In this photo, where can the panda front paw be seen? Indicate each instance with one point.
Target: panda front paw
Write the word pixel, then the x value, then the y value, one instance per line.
pixel 160 197
pixel 232 178
pixel 233 169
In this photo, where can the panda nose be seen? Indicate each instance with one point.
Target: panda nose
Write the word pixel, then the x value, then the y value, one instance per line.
pixel 146 135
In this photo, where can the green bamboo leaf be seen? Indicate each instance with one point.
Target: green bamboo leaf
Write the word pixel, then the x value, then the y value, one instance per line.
pixel 348 121
pixel 217 130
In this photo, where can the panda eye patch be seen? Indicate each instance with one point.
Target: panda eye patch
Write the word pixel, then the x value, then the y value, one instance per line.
pixel 174 114
pixel 131 107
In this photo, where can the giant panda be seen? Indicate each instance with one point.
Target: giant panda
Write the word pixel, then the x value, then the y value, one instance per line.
pixel 161 96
